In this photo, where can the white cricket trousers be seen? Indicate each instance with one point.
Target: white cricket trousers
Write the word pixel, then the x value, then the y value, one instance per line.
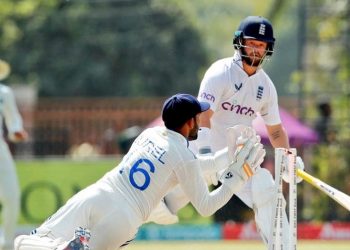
pixel 100 209
pixel 9 196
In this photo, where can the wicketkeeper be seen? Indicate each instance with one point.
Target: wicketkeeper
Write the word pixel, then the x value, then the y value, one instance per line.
pixel 109 212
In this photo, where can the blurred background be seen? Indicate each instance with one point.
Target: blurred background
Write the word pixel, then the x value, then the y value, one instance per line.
pixel 90 75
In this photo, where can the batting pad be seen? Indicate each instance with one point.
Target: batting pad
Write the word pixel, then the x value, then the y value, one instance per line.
pixel 263 194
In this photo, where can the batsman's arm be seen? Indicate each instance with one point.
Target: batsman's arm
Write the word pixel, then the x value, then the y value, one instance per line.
pixel 278 136
pixel 205 118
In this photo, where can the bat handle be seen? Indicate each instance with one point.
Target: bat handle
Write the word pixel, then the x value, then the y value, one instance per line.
pixel 247 169
pixel 305 176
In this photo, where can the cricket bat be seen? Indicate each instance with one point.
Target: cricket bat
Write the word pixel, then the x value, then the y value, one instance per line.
pixel 340 197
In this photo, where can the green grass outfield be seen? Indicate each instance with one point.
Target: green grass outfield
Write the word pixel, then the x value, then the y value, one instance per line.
pixel 46 184
pixel 233 245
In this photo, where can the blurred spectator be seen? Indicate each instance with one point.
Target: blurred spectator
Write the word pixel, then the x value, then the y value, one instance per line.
pixel 324 124
pixel 109 142
pixel 84 151
pixel 9 187
pixel 126 138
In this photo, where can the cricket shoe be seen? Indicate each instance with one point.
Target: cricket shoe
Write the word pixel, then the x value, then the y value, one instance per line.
pixel 80 241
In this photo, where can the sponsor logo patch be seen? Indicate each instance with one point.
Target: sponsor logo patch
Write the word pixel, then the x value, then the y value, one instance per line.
pixel 238 87
pixel 228 175
pixel 238 109
pixel 208 97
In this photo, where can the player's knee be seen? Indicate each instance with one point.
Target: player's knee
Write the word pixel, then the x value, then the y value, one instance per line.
pixel 263 187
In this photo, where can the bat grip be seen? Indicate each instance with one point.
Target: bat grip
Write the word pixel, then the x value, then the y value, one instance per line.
pixel 305 176
pixel 247 169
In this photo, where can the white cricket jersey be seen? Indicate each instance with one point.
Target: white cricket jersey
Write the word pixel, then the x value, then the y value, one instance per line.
pixel 9 111
pixel 158 160
pixel 236 98
pixel 115 207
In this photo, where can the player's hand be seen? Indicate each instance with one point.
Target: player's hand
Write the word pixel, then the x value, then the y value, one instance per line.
pixel 18 136
pixel 237 136
pixel 232 134
pixel 257 153
pixel 247 158
pixel 299 165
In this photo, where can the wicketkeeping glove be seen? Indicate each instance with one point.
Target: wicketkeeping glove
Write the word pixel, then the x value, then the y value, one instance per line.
pixel 233 133
pixel 245 162
pixel 236 137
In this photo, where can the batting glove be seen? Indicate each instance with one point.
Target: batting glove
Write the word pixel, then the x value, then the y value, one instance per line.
pixel 299 165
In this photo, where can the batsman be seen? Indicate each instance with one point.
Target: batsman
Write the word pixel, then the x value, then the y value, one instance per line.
pixel 238 89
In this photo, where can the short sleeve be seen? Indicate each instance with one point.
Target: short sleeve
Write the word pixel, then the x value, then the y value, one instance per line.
pixel 213 85
pixel 270 111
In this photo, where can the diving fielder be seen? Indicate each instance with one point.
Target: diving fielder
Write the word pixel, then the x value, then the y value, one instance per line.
pixel 9 187
pixel 120 202
pixel 237 89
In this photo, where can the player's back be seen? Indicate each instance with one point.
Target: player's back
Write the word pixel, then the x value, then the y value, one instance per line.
pixel 148 171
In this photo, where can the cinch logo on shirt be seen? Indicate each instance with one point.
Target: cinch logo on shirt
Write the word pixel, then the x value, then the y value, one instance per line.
pixel 208 97
pixel 238 109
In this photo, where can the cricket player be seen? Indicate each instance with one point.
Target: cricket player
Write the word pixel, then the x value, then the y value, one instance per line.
pixel 9 187
pixel 237 89
pixel 115 206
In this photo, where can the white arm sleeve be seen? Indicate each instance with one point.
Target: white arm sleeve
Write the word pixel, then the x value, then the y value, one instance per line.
pixel 270 112
pixel 176 199
pixel 192 182
pixel 213 85
pixel 211 164
pixel 12 117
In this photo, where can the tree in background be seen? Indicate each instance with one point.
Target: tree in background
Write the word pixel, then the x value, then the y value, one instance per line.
pixel 157 47
pixel 103 48
pixel 326 75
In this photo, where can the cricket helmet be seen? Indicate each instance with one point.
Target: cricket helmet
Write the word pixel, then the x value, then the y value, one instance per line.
pixel 257 28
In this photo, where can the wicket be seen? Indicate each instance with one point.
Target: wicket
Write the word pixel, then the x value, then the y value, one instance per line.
pixel 284 159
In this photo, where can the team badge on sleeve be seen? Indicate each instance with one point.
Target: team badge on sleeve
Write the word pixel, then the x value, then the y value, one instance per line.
pixel 207 96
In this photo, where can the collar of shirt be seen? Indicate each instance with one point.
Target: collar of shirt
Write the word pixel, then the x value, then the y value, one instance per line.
pixel 178 136
pixel 237 58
